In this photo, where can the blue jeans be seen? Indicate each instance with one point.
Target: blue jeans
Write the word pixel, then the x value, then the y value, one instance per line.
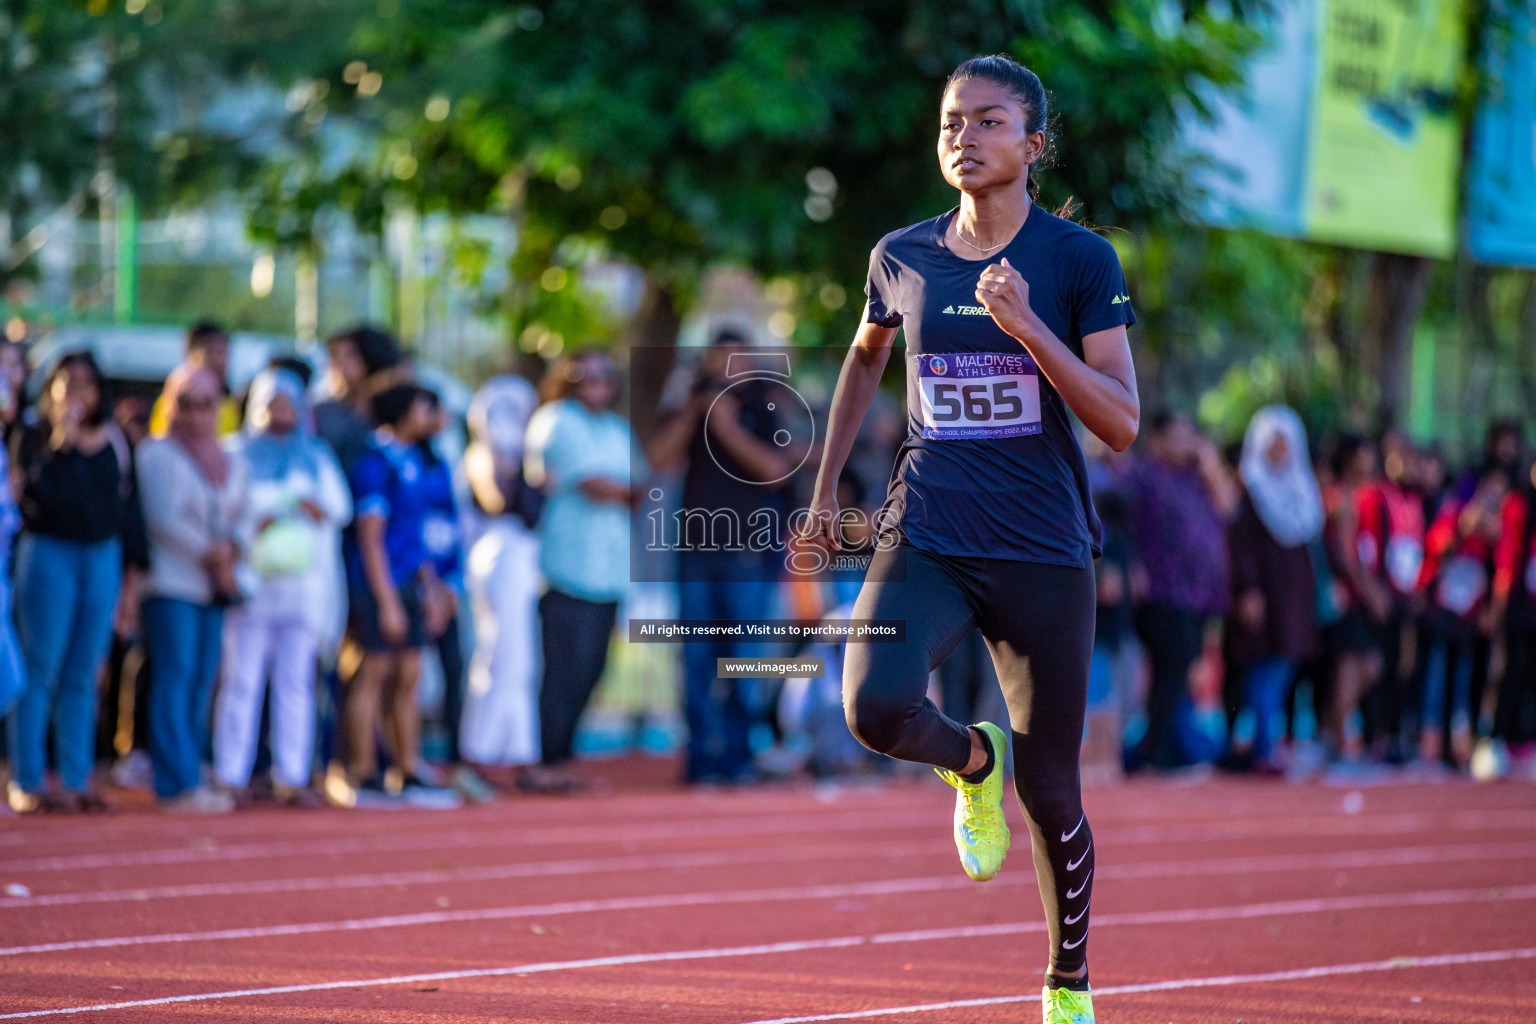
pixel 65 594
pixel 13 677
pixel 1449 661
pixel 1265 691
pixel 182 642
pixel 720 585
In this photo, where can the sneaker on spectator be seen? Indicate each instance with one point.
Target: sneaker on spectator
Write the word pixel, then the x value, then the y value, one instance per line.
pixel 379 792
pixel 296 796
pixel 538 778
pixel 133 770
pixel 1490 759
pixel 780 761
pixel 336 789
pixel 20 801
pixel 201 800
pixel 1358 771
pixel 241 797
pixel 474 788
pixel 425 773
pixel 418 792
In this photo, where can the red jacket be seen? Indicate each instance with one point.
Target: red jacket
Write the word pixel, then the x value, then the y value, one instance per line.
pixel 1390 534
pixel 1457 566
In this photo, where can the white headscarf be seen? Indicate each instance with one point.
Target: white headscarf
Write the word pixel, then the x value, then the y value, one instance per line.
pixel 1285 496
pixel 275 456
pixel 498 416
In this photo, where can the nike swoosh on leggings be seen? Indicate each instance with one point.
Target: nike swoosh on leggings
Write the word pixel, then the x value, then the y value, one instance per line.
pixel 1073 865
pixel 1077 918
pixel 1074 945
pixel 1075 893
pixel 1068 835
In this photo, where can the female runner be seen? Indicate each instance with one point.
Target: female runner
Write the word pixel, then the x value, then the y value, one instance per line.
pixel 1013 316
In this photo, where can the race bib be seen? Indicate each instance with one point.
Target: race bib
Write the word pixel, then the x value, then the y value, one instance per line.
pixel 979 394
pixel 1462 584
pixel 1365 549
pixel 1404 556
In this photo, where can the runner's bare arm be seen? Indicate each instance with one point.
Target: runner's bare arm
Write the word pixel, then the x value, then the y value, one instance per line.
pixel 1100 388
pixel 856 387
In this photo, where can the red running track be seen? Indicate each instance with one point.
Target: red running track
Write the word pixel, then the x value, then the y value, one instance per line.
pixel 1223 902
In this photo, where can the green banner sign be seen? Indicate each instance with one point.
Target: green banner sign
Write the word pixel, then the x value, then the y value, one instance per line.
pixel 1347 132
pixel 1384 146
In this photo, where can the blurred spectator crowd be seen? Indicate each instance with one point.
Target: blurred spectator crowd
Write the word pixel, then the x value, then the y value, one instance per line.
pixel 1355 610
pixel 229 600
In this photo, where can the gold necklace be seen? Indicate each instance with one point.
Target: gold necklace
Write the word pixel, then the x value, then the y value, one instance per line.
pixel 982 248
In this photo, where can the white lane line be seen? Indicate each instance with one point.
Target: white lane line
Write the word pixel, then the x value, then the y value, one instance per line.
pixel 1397 963
pixel 791 893
pixel 689 808
pixel 1276 908
pixel 1281 827
pixel 460 839
pixel 485 972
pixel 211 840
pixel 1373 858
pixel 488 873
pixel 852 822
pixel 769 949
pixel 1396 856
pixel 709 807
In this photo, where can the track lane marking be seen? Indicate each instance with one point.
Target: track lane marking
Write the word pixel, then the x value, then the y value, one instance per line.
pixel 459 838
pixel 506 815
pixel 792 893
pixel 767 949
pixel 863 821
pixel 1397 963
pixel 1396 856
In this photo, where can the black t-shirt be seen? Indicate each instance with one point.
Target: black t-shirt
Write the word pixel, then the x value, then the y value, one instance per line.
pixel 344 429
pixel 69 494
pixel 990 467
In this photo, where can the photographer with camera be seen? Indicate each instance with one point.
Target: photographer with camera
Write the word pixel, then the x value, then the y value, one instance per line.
pixel 726 436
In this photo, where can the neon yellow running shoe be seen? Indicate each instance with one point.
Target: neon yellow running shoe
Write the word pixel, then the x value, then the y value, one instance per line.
pixel 981 832
pixel 1064 1006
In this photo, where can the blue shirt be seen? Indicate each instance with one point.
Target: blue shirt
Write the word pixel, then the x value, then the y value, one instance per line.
pixel 583 544
pixel 10 517
pixel 389 482
pixel 441 532
pixel 990 467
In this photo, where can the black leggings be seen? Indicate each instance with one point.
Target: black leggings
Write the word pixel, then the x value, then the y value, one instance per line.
pixel 576 634
pixel 450 652
pixel 1038 624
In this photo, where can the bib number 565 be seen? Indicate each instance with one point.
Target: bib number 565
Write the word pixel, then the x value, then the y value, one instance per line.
pixel 971 402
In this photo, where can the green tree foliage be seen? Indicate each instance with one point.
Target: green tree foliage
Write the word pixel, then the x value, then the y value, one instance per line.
pixel 780 135
pixel 680 133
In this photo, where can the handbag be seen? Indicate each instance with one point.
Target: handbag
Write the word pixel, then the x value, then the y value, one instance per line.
pixel 285 548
